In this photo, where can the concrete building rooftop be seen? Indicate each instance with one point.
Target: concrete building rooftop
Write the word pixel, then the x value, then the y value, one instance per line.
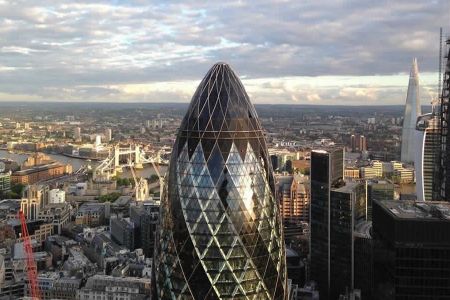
pixel 431 210
pixel 347 188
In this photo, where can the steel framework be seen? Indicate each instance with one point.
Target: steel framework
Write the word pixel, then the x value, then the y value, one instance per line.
pixel 30 263
pixel 442 191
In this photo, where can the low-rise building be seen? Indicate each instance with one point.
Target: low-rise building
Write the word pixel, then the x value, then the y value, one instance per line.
pixel 123 232
pixel 115 288
pixel 56 196
pixel 91 214
pixel 39 173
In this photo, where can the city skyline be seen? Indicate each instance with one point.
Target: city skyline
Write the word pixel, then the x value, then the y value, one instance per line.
pixel 291 53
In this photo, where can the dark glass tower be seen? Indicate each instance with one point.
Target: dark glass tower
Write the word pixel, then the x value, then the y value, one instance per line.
pixel 331 223
pixel 221 235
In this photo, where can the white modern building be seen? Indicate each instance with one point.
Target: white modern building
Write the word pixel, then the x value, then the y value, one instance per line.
pixel 412 111
pixel 108 135
pixel 56 196
pixel 428 138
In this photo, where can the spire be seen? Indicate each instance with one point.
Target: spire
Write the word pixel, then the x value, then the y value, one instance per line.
pixel 414 70
pixel 412 111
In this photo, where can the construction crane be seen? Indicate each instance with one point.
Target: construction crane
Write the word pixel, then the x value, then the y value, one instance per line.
pixel 30 262
pixel 161 180
pixel 140 186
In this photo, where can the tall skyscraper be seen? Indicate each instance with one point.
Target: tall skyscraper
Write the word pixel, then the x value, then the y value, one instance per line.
pixel 353 142
pixel 412 111
pixel 77 134
pixel 362 143
pixel 221 235
pixel 108 135
pixel 428 137
pixel 441 188
pixel 336 206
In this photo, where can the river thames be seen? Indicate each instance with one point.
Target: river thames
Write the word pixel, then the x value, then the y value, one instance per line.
pixel 76 163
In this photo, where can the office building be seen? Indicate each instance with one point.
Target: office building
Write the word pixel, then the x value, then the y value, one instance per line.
pixel 362 143
pixel 441 189
pixel 35 198
pixel 412 250
pixel 56 196
pixel 428 141
pixel 221 233
pixel 336 206
pixel 412 111
pixel 145 216
pixel 5 181
pixel 351 172
pixel 123 232
pixel 91 214
pixel 77 134
pixel 353 142
pixel 120 288
pixel 293 195
pixel 378 190
pixel 40 173
pixel 108 135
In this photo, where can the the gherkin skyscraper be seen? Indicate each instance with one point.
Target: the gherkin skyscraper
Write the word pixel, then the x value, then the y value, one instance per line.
pixel 221 235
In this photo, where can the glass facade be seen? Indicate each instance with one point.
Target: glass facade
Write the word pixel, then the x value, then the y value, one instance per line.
pixel 411 250
pixel 336 206
pixel 221 235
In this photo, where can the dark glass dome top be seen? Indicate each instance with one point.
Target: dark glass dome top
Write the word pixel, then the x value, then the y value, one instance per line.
pixel 221 110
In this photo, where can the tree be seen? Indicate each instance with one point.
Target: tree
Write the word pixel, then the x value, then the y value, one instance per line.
pixel 109 197
pixel 17 188
pixel 153 178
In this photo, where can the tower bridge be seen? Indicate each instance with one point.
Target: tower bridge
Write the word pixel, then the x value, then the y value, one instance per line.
pixel 120 157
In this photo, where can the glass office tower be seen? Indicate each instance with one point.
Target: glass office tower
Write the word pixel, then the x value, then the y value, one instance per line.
pixel 221 235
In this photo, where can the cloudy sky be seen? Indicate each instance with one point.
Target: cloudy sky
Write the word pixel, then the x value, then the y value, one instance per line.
pixel 295 52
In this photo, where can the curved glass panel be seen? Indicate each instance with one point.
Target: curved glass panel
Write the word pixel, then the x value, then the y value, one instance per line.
pixel 221 235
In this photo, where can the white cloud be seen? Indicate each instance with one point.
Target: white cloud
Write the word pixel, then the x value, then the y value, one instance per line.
pixel 140 51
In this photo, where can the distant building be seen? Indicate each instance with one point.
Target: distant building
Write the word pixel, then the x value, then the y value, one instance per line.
pixel 12 282
pixel 109 287
pixel 412 248
pixel 77 134
pixel 336 206
pixel 90 214
pixel 351 172
pixel 362 143
pixel 412 111
pixel 56 196
pixel 108 135
pixel 35 198
pixel 40 173
pixel 123 232
pixel 57 214
pixel 378 190
pixel 145 217
pixel 292 192
pixel 353 142
pixel 5 182
pixel 53 286
pixel 428 142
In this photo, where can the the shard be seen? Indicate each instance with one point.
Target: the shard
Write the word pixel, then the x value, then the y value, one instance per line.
pixel 221 235
pixel 412 111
